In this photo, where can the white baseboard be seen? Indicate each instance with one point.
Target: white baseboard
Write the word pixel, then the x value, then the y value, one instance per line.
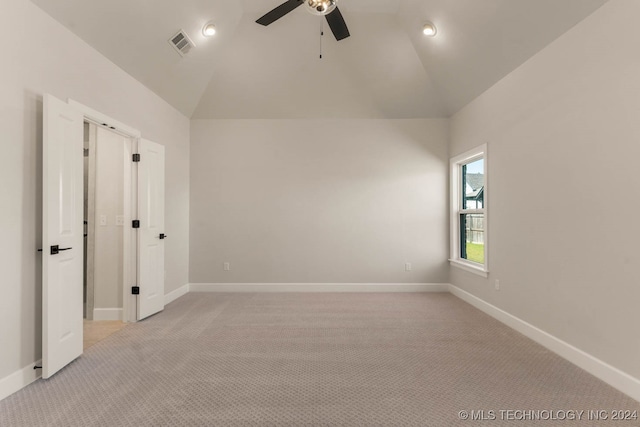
pixel 318 287
pixel 174 295
pixel 19 379
pixel 613 376
pixel 107 314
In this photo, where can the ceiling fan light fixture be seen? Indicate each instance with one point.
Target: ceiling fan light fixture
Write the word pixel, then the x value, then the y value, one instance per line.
pixel 429 30
pixel 320 7
pixel 209 29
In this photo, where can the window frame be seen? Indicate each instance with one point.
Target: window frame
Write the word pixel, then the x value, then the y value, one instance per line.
pixel 456 195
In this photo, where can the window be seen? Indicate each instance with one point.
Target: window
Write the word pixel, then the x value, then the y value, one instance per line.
pixel 469 240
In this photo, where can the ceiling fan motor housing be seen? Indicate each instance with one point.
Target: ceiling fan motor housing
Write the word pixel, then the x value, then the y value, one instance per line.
pixel 320 7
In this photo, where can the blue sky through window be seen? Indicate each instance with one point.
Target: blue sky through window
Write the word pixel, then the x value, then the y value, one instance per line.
pixel 476 166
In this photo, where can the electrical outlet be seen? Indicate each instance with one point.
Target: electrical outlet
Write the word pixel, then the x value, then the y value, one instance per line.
pixel 497 285
pixel 103 220
pixel 407 266
pixel 227 266
pixel 120 220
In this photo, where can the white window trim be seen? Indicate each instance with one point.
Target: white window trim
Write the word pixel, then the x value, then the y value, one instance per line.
pixel 455 199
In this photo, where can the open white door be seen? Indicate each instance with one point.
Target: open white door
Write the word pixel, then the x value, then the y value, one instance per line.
pixel 151 233
pixel 62 241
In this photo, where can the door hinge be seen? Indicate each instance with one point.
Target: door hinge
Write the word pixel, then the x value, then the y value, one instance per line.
pixel 135 223
pixel 136 157
pixel 135 290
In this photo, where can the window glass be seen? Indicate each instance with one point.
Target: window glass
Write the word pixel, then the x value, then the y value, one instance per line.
pixel 473 185
pixel 472 237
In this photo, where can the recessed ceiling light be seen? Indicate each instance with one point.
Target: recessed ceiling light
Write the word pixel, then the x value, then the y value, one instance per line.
pixel 208 30
pixel 429 30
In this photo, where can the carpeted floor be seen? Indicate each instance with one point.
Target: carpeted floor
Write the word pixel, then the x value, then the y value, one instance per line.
pixel 301 359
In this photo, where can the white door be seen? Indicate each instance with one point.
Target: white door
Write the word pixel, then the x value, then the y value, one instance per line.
pixel 62 240
pixel 151 232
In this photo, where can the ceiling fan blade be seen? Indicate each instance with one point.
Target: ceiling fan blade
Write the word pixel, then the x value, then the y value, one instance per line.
pixel 279 12
pixel 337 24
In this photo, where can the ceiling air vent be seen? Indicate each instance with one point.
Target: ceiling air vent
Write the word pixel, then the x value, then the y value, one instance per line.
pixel 181 43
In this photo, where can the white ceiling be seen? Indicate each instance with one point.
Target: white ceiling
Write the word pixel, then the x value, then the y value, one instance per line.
pixel 386 69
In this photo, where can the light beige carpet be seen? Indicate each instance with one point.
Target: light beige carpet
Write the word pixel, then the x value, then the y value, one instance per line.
pixel 311 360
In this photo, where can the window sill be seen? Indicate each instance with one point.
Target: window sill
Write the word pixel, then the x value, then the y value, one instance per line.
pixel 472 268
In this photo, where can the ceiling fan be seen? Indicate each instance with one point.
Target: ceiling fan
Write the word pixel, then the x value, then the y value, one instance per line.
pixel 326 8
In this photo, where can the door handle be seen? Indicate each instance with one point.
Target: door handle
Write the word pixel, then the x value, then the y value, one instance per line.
pixel 55 249
pixel 162 236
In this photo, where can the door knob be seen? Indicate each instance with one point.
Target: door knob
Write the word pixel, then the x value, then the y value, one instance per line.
pixel 162 236
pixel 55 249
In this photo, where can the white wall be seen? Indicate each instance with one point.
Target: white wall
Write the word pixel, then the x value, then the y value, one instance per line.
pixel 563 135
pixel 45 57
pixel 109 202
pixel 319 201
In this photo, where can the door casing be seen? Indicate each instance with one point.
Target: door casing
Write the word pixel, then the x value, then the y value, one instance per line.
pixel 96 138
pixel 129 265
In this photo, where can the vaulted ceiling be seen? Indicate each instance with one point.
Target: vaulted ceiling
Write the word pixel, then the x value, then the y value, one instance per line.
pixel 386 69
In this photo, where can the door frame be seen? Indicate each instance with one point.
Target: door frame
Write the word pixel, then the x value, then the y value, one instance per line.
pixel 130 262
pixel 90 227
